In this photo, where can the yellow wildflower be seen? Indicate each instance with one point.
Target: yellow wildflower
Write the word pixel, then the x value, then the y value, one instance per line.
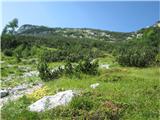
pixel 39 93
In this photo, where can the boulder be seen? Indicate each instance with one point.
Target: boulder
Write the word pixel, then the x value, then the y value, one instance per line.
pixel 106 66
pixel 49 102
pixel 18 91
pixel 94 85
pixel 4 93
pixel 19 88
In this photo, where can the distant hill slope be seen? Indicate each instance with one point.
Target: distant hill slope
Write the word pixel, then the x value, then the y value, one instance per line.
pixel 73 32
pixel 81 33
pixel 77 43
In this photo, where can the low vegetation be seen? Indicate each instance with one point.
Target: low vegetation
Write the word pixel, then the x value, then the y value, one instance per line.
pixel 87 67
pixel 140 52
pixel 128 89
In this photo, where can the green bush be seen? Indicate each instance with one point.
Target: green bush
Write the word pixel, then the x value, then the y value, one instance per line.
pixel 18 53
pixel 44 72
pixel 137 55
pixel 56 73
pixel 8 52
pixel 140 52
pixel 157 61
pixel 26 52
pixel 69 69
pixel 81 103
pixel 88 67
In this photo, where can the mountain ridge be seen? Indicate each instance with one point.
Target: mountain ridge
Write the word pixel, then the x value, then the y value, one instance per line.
pixel 36 30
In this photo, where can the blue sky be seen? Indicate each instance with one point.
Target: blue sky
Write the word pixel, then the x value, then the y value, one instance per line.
pixel 114 16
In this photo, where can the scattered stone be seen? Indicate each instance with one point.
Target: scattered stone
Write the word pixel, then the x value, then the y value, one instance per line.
pixel 4 93
pixel 33 88
pixel 10 77
pixel 24 68
pixel 106 66
pixel 1 62
pixel 56 68
pixel 49 102
pixel 31 73
pixel 94 85
pixel 9 65
pixel 19 88
pixel 17 92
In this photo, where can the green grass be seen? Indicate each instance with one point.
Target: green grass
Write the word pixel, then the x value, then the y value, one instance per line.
pixel 108 59
pixel 11 67
pixel 136 90
pixel 56 64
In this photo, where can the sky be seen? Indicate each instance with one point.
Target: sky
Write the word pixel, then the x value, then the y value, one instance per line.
pixel 112 15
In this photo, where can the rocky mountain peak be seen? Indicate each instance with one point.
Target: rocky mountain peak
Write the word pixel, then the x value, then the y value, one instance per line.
pixel 26 27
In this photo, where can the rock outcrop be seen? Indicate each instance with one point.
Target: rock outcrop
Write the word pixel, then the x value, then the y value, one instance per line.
pixel 12 94
pixel 49 102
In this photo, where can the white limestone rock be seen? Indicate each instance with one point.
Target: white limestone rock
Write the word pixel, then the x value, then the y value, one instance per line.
pixel 4 93
pixel 18 91
pixel 31 73
pixel 106 66
pixel 94 85
pixel 19 88
pixel 49 102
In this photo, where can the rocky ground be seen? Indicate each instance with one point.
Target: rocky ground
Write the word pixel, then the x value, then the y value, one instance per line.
pixel 16 92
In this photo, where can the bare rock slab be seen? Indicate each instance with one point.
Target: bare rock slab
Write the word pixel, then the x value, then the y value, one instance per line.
pixel 49 102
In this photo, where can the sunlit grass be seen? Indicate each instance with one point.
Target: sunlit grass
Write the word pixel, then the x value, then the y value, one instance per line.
pixel 136 89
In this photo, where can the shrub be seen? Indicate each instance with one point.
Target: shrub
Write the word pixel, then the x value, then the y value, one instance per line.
pixel 26 52
pixel 88 67
pixel 18 51
pixel 18 58
pixel 140 52
pixel 137 55
pixel 57 72
pixel 157 61
pixel 8 52
pixel 81 102
pixel 44 72
pixel 69 69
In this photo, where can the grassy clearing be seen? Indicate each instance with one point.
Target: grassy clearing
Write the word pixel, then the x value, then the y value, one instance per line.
pixel 123 93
